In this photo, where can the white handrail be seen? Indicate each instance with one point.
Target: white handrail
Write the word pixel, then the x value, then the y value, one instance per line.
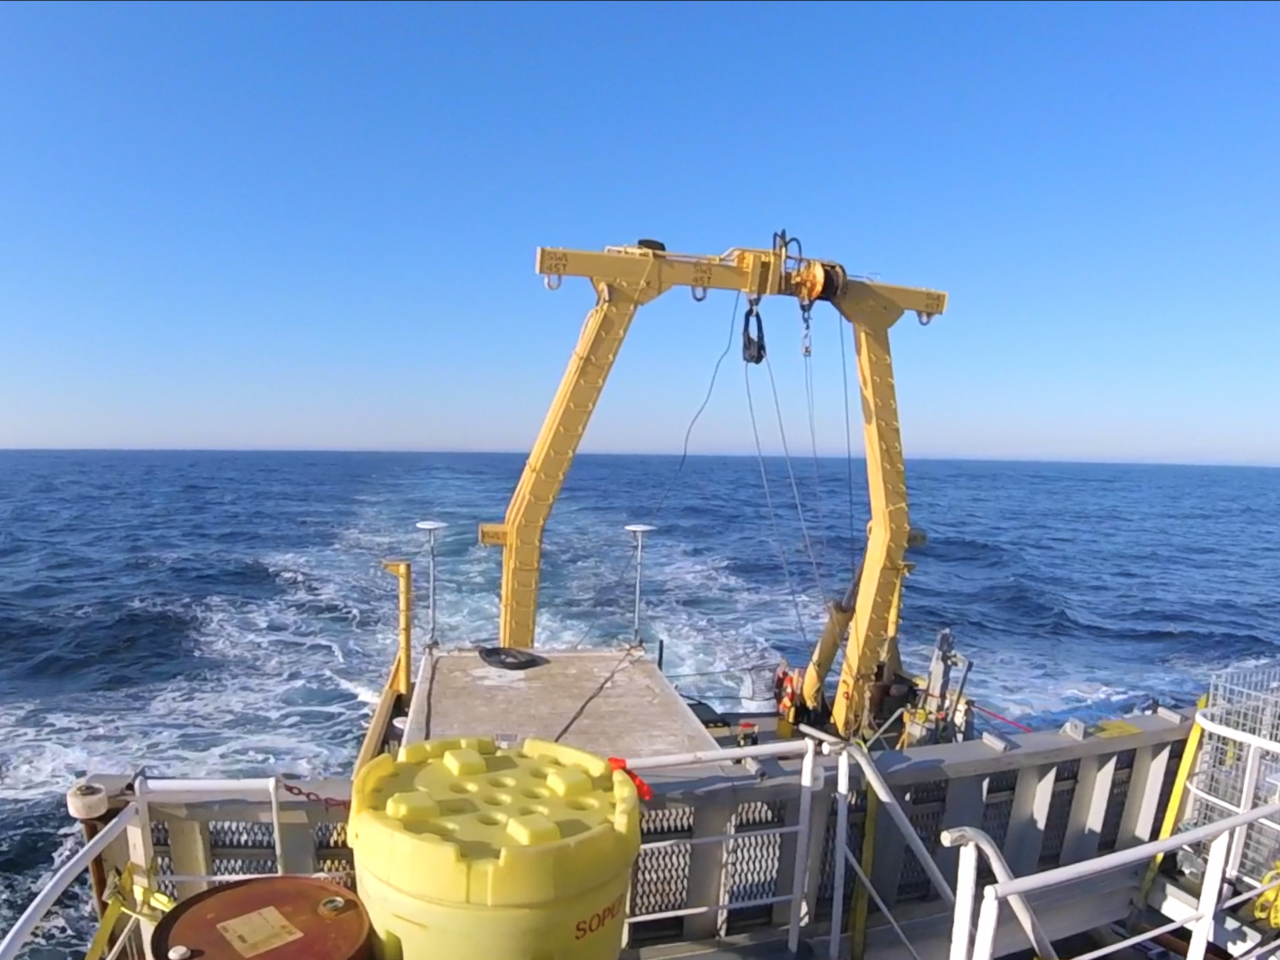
pixel 1209 725
pixel 124 940
pixel 800 876
pixel 794 749
pixel 843 855
pixel 973 838
pixel 841 848
pixel 255 788
pixel 1129 857
pixel 26 924
pixel 886 796
pixel 1223 835
pixel 250 789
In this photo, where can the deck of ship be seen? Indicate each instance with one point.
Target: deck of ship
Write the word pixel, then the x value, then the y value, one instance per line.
pixel 610 703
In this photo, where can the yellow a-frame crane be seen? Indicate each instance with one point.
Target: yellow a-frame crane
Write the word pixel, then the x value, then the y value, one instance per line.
pixel 626 278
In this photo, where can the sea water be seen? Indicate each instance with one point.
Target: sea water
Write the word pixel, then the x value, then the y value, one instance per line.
pixel 209 614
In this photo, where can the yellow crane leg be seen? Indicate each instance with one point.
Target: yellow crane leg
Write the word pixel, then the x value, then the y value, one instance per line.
pixel 520 534
pixel 1173 811
pixel 839 616
pixel 889 655
pixel 872 636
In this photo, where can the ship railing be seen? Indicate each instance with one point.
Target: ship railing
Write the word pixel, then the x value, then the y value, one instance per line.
pixel 969 943
pixel 31 918
pixel 811 782
pixel 135 819
pixel 724 840
pixel 846 752
pixel 1223 785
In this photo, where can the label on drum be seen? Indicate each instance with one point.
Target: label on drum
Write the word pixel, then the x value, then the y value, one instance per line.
pixel 258 932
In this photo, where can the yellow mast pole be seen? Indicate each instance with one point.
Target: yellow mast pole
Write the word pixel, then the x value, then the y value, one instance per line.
pixel 402 570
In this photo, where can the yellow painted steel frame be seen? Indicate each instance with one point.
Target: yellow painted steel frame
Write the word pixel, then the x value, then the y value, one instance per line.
pixel 625 278
pixel 399 684
pixel 1173 810
pixel 402 570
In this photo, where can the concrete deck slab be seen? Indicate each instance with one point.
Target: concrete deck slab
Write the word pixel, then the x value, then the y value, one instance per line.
pixel 611 703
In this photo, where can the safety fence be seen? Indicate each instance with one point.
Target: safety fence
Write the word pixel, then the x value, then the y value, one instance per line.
pixel 772 836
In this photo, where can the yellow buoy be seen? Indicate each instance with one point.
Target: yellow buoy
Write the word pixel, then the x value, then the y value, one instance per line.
pixel 473 852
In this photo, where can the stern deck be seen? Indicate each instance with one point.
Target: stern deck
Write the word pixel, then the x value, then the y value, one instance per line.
pixel 610 703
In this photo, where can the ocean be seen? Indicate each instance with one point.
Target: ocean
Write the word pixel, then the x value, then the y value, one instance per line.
pixel 220 614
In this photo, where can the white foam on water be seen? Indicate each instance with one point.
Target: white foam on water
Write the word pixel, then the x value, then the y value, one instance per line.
pixel 66 931
pixel 293 678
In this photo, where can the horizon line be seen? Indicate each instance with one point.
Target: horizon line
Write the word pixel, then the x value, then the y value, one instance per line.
pixel 642 453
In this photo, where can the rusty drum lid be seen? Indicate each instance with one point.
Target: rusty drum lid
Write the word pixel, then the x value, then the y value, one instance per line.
pixel 275 918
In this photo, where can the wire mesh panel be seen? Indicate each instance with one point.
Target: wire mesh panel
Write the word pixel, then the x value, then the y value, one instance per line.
pixel 1248 700
pixel 752 863
pixel 330 836
pixel 1120 782
pixel 853 839
pixel 241 834
pixel 240 866
pixel 1239 769
pixel 1055 826
pixel 925 806
pixel 164 869
pixel 660 879
pixel 752 858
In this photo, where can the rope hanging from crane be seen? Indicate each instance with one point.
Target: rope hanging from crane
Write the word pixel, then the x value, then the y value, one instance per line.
pixel 655 513
pixel 753 353
pixel 773 517
pixel 795 488
pixel 807 350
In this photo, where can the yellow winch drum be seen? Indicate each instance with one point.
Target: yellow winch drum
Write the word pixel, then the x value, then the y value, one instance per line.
pixel 464 850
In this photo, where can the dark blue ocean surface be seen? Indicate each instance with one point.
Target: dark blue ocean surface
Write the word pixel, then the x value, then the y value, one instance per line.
pixel 226 613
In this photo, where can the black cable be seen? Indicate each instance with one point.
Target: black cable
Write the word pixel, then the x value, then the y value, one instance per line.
pixel 684 454
pixel 773 517
pixel 582 708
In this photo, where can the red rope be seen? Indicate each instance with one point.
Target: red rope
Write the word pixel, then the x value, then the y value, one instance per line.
pixel 992 713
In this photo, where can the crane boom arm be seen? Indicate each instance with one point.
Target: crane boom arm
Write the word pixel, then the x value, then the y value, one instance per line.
pixel 625 278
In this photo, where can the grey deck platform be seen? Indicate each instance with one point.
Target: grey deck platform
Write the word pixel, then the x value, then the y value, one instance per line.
pixel 609 703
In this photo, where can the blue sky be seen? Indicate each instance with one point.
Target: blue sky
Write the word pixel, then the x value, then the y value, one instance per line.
pixel 306 226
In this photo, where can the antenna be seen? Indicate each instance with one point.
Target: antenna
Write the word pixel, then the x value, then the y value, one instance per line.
pixel 638 530
pixel 432 527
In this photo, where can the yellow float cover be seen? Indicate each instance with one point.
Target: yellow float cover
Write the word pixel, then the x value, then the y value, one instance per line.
pixel 463 821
